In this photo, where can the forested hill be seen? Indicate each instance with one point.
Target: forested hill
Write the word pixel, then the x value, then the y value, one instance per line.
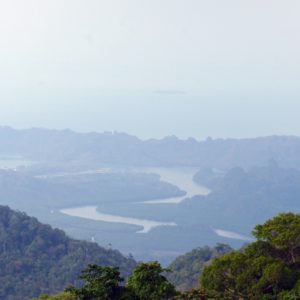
pixel 35 259
pixel 240 199
pixel 186 269
pixel 65 146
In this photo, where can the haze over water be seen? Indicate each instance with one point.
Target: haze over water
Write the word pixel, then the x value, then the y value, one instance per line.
pixel 152 68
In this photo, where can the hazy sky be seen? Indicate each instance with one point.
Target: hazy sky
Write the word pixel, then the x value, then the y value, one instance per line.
pixel 152 67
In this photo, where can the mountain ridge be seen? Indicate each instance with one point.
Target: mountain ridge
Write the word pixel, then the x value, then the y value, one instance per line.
pixel 36 259
pixel 107 149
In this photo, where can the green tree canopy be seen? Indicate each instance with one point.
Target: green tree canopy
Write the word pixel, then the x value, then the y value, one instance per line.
pixel 99 283
pixel 283 233
pixel 266 269
pixel 149 283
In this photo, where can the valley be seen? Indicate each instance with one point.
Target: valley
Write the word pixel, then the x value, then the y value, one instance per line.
pixel 141 197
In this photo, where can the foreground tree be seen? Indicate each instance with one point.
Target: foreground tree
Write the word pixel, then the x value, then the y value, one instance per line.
pixel 104 283
pixel 149 283
pixel 283 233
pixel 194 294
pixel 266 269
pixel 99 283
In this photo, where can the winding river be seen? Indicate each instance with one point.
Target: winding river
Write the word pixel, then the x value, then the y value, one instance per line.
pixel 182 178
pixel 232 235
pixel 91 213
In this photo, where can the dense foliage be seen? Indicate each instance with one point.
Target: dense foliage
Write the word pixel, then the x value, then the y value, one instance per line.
pixel 104 283
pixel 186 269
pixel 148 283
pixel 36 259
pixel 266 269
pixel 99 283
